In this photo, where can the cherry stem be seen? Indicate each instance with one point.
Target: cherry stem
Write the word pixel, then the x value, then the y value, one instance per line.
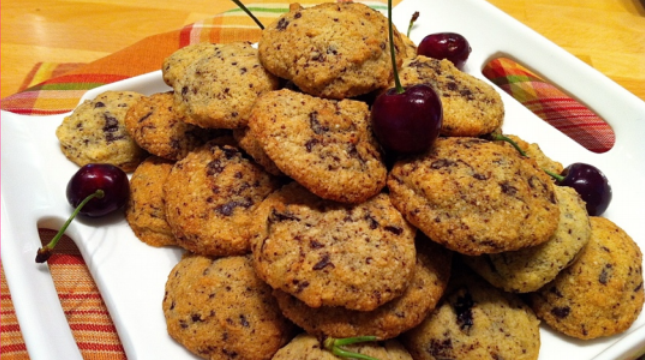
pixel 557 177
pixel 510 141
pixel 248 12
pixel 46 251
pixel 397 82
pixel 414 18
pixel 334 345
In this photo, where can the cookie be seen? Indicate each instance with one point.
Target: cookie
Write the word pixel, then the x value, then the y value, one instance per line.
pixel 529 269
pixel 410 47
pixel 210 198
pixel 174 66
pixel 155 127
pixel 325 145
pixel 145 211
pixel 219 310
pixel 387 321
pixel 248 141
pixel 329 254
pixel 331 50
pixel 476 196
pixel 95 132
pixel 218 91
pixel 601 294
pixel 306 346
pixel 476 321
pixel 471 107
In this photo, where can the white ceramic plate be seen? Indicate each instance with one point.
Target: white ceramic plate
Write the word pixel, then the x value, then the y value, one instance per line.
pixel 132 275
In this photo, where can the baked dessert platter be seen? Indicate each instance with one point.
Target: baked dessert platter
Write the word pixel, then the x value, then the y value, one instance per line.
pixel 341 192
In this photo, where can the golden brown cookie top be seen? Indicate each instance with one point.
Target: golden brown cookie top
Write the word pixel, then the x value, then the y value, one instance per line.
pixel 601 294
pixel 331 254
pixel 219 89
pixel 220 310
pixel 174 66
pixel 387 321
pixel 476 196
pixel 156 128
pixel 95 132
pixel 211 195
pixel 331 50
pixel 146 212
pixel 529 269
pixel 471 107
pixel 476 321
pixel 325 145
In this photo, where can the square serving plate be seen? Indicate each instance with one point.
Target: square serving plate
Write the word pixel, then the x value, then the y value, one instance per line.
pixel 131 275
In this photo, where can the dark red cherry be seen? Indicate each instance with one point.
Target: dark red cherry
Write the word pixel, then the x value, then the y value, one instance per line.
pixel 94 190
pixel 446 45
pixel 407 122
pixel 591 184
pixel 109 178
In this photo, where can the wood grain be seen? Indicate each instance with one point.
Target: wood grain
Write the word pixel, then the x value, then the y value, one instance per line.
pixel 607 34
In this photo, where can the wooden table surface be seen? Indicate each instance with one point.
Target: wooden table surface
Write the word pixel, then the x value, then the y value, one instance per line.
pixel 607 34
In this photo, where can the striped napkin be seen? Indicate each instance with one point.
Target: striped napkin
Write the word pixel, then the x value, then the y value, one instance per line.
pixel 56 88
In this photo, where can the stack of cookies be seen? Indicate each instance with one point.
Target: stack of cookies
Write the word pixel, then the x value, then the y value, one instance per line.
pixel 262 164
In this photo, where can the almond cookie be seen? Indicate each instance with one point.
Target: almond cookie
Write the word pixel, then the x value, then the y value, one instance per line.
pixel 387 321
pixel 210 198
pixel 471 107
pixel 306 346
pixel 145 211
pixel 95 132
pixel 529 269
pixel 601 294
pixel 325 145
pixel 476 321
pixel 156 128
pixel 331 50
pixel 218 91
pixel 476 196
pixel 174 66
pixel 220 310
pixel 330 254
pixel 248 141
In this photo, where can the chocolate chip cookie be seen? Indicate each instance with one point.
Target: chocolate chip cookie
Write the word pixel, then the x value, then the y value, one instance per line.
pixel 332 50
pixel 476 196
pixel 601 294
pixel 476 321
pixel 471 107
pixel 156 128
pixel 95 132
pixel 387 321
pixel 220 310
pixel 210 198
pixel 218 90
pixel 330 254
pixel 529 269
pixel 145 211
pixel 325 145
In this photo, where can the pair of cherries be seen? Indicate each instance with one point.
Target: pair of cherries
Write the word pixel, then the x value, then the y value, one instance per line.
pixel 408 120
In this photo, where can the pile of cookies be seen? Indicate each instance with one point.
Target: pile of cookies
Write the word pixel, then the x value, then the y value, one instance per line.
pixel 262 164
